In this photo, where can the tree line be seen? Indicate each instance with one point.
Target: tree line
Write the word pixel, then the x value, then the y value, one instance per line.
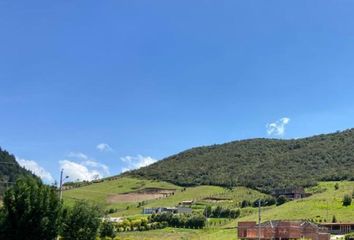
pixel 33 211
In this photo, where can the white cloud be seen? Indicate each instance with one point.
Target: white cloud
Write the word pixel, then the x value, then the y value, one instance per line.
pixel 79 155
pixel 84 168
pixel 78 172
pixel 136 162
pixel 104 147
pixel 277 128
pixel 35 168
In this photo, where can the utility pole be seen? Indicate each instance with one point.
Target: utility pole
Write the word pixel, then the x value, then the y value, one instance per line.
pixel 61 184
pixel 259 219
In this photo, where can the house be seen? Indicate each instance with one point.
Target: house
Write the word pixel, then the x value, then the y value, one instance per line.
pixel 291 193
pixel 173 210
pixel 339 228
pixel 281 230
pixel 187 203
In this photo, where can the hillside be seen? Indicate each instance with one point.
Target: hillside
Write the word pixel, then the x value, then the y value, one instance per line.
pixel 10 170
pixel 262 164
pixel 126 195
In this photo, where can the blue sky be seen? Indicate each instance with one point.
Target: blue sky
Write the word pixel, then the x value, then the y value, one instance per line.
pixel 100 87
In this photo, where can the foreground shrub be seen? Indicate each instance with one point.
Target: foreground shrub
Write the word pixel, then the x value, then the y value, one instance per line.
pixel 81 222
pixel 31 211
pixel 107 229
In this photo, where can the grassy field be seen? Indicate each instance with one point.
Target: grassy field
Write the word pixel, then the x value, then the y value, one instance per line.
pixel 320 207
pixel 100 192
pixel 325 202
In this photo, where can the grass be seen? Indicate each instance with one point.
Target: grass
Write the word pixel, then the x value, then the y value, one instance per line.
pixel 181 234
pixel 99 192
pixel 320 207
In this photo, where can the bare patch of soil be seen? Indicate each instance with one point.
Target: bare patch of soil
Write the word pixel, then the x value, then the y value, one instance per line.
pixel 217 199
pixel 141 195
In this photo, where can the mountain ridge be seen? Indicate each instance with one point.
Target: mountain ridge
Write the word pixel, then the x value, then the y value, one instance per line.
pixel 260 163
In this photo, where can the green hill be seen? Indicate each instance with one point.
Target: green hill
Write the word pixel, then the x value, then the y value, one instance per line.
pixel 10 170
pixel 262 164
pixel 128 196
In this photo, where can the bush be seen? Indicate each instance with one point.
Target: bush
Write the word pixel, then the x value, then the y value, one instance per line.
pixel 207 211
pixel 107 230
pixel 31 209
pixel 81 222
pixel 245 203
pixel 347 200
pixel 177 220
pixel 349 236
pixel 281 200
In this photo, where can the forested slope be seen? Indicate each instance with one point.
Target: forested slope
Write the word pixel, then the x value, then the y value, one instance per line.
pixel 10 170
pixel 262 164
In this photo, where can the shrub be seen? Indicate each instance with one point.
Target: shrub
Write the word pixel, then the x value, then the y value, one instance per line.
pixel 31 209
pixel 349 236
pixel 81 222
pixel 281 200
pixel 207 211
pixel 107 230
pixel 347 200
pixel 245 203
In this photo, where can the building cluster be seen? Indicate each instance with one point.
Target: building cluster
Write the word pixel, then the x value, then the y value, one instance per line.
pixel 282 230
pixel 183 207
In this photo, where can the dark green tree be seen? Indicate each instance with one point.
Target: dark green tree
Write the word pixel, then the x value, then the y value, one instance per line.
pixel 334 219
pixel 347 200
pixel 31 211
pixel 81 222
pixel 107 230
pixel 281 200
pixel 207 211
pixel 245 203
pixel 336 186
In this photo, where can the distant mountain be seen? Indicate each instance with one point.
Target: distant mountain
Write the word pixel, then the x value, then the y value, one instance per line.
pixel 262 164
pixel 10 170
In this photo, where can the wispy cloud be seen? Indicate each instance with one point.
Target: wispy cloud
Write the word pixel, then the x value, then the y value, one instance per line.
pixel 83 167
pixel 104 147
pixel 277 128
pixel 134 162
pixel 78 155
pixel 35 168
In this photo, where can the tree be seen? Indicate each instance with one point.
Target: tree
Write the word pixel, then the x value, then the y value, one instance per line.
pixel 334 219
pixel 281 200
pixel 245 203
pixel 347 200
pixel 207 211
pixel 336 186
pixel 81 222
pixel 235 213
pixel 217 212
pixel 107 230
pixel 31 211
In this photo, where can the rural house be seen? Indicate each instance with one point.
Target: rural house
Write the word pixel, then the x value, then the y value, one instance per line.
pixel 281 230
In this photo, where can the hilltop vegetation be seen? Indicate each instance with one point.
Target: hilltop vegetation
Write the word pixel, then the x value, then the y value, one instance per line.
pixel 262 164
pixel 10 170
